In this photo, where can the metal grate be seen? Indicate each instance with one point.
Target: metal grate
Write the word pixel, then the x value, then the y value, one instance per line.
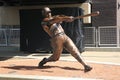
pixel 9 37
pixel 107 35
pixel 14 37
pixel 89 33
pixel 3 37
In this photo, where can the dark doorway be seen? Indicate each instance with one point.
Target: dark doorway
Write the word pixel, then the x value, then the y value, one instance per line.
pixel 32 36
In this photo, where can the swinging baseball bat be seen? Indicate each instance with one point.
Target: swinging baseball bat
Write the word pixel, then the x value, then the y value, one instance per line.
pixel 91 14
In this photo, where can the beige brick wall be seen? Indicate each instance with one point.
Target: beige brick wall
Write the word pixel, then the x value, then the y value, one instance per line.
pixel 9 16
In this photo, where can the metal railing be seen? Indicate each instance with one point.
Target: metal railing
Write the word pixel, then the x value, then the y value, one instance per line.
pixel 3 37
pixel 107 36
pixel 90 36
pixel 102 36
pixel 9 37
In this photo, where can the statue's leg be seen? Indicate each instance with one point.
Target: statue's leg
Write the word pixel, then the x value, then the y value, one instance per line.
pixel 71 47
pixel 57 46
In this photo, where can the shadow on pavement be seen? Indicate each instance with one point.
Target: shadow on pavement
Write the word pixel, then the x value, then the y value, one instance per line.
pixel 42 68
pixel 5 58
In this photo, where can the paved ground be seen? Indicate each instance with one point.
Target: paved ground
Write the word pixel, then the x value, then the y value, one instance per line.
pixel 106 66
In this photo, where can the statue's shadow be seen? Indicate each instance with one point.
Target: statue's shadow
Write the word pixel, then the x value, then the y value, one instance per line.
pixel 46 67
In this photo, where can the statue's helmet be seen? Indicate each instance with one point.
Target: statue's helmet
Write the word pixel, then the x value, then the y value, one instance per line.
pixel 45 11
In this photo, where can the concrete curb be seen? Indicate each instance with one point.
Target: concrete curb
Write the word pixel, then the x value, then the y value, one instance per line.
pixel 31 77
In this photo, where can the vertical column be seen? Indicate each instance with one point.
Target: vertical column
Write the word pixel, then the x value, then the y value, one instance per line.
pixel 118 22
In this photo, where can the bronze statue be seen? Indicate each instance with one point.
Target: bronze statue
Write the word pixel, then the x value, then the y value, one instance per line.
pixel 59 40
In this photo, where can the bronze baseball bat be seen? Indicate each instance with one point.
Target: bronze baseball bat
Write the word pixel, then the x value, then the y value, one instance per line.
pixel 91 14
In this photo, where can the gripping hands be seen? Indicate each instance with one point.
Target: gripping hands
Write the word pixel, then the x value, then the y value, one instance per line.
pixel 58 19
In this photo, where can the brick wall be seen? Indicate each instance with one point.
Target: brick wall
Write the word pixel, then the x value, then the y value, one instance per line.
pixel 107 10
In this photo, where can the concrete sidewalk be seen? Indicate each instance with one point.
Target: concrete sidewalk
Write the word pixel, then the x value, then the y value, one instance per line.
pixel 90 56
pixel 31 77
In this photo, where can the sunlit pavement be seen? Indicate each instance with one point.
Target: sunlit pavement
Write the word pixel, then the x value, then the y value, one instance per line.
pixel 90 57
